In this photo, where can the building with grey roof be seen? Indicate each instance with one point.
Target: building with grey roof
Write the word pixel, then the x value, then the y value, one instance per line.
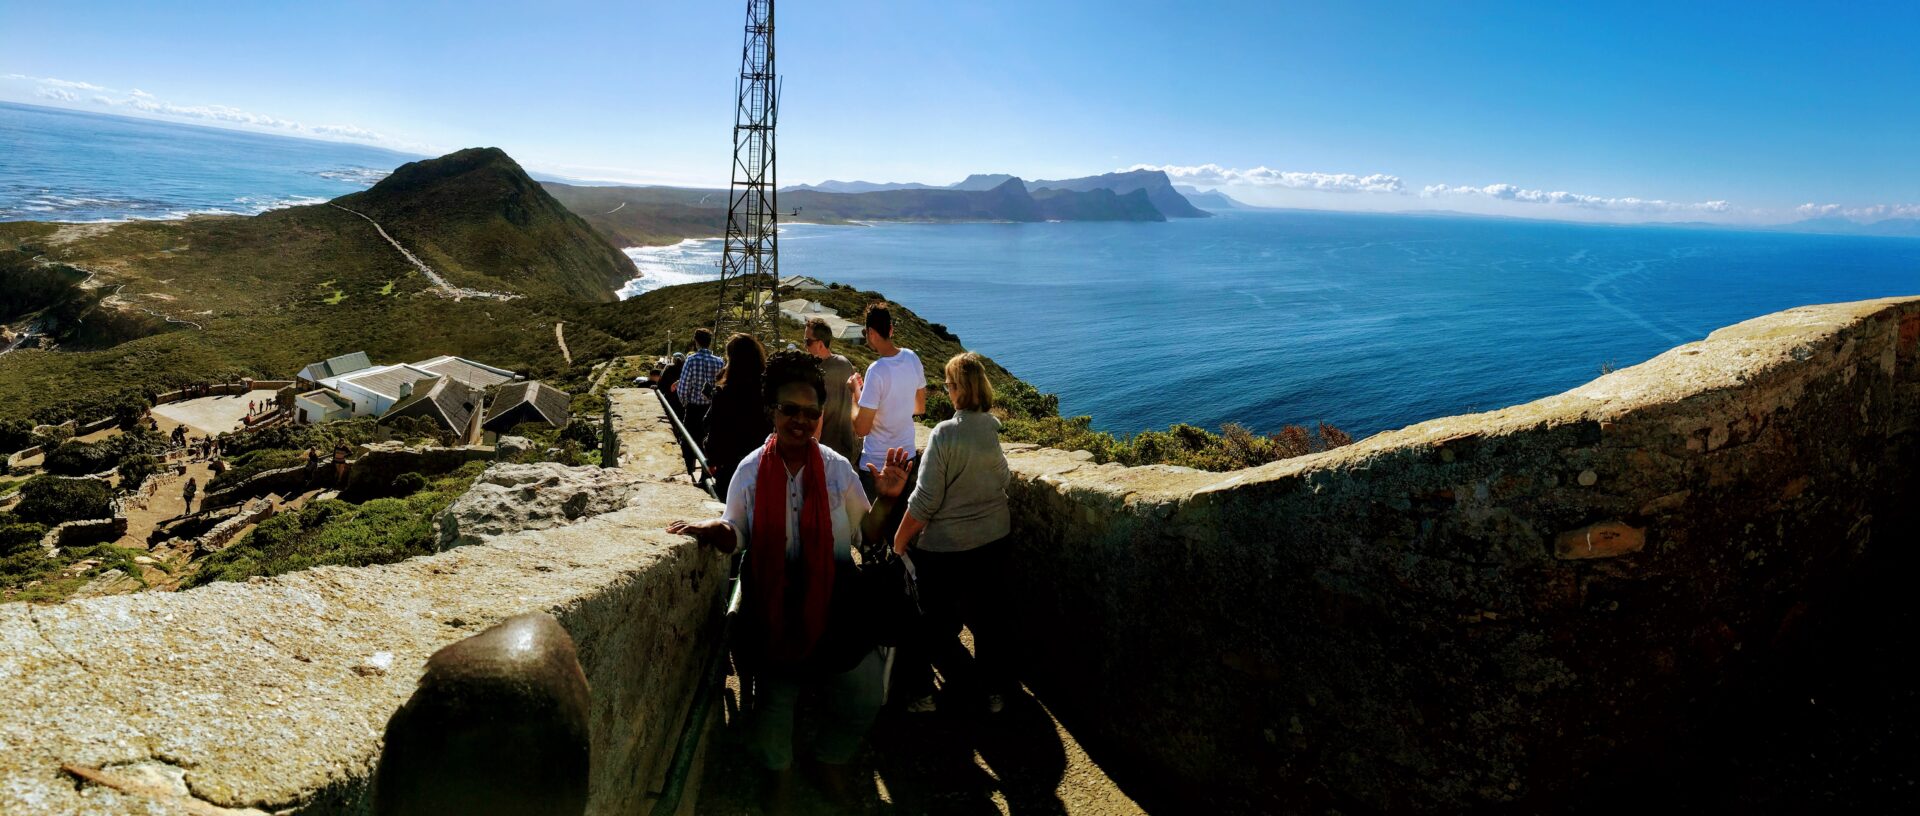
pixel 445 400
pixel 335 367
pixel 474 375
pixel 531 401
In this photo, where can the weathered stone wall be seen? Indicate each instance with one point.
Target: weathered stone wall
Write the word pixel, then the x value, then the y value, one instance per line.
pixel 1477 609
pixel 271 694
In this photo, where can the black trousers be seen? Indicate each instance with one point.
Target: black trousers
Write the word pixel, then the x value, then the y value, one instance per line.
pixel 959 589
pixel 695 418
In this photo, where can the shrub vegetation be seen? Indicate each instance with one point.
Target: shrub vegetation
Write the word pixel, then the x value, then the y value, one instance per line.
pixel 380 531
pixel 50 500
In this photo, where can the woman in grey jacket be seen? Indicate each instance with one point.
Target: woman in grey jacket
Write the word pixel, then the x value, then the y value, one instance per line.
pixel 958 511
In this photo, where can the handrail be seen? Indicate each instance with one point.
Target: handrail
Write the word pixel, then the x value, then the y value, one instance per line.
pixel 713 676
pixel 703 475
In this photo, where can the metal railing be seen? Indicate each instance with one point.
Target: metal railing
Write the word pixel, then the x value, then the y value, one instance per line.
pixel 713 675
pixel 697 469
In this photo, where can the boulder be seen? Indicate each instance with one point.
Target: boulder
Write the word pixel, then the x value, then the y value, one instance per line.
pixel 510 447
pixel 509 498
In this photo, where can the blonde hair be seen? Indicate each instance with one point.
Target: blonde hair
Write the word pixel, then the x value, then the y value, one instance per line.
pixel 968 385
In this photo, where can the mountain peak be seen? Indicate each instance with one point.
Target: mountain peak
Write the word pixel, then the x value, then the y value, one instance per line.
pixel 479 218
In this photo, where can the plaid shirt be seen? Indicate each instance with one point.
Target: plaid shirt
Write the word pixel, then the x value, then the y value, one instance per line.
pixel 697 376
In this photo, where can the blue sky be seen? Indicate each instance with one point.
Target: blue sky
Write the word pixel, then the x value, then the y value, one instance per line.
pixel 1733 112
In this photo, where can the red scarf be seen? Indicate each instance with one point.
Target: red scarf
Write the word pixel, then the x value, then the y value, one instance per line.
pixel 789 609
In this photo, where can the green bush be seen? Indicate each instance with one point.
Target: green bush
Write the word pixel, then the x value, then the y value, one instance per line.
pixel 15 434
pixel 17 536
pixel 135 468
pixel 51 500
pixel 407 484
pixel 585 434
pixel 1233 448
pixel 77 459
pixel 240 468
pixel 380 531
pixel 130 409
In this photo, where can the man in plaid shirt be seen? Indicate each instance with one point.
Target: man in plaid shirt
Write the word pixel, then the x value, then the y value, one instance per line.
pixel 696 378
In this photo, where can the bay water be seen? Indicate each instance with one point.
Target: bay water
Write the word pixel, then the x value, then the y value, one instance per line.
pixel 1366 321
pixel 1264 318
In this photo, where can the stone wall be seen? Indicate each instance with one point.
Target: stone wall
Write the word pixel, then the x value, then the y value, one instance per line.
pixel 272 694
pixel 1474 610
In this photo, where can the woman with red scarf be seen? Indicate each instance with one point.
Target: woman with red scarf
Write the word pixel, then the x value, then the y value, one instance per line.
pixel 799 509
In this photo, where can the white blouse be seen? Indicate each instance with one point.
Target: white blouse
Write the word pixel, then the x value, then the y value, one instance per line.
pixel 847 502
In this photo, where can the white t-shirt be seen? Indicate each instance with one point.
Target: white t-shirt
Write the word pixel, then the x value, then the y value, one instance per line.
pixel 890 386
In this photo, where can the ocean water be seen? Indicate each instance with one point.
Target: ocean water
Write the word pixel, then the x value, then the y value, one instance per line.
pixel 1369 322
pixel 58 165
pixel 1264 318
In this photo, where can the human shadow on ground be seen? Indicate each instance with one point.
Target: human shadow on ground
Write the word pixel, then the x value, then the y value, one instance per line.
pixel 910 763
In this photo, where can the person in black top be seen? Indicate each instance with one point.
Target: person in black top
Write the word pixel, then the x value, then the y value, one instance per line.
pixel 736 423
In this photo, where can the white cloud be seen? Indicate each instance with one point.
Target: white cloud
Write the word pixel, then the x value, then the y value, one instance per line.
pixel 346 131
pixel 1511 192
pixel 62 90
pixel 49 82
pixel 1872 212
pixel 1267 177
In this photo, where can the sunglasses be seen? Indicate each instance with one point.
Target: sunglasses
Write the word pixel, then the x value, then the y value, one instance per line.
pixel 788 409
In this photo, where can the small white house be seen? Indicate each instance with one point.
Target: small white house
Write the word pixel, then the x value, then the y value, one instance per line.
pixel 321 405
pixel 801 310
pixel 803 283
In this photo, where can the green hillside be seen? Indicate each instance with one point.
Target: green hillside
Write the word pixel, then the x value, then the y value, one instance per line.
pixel 475 217
pixel 646 216
pixel 208 298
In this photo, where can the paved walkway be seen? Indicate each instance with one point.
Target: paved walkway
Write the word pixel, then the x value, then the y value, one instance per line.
pixel 208 415
pixel 1020 761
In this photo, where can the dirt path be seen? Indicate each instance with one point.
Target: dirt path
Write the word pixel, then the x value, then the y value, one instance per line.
pixel 446 289
pixel 561 338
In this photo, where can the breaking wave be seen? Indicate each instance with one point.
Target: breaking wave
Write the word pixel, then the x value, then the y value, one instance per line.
pixel 690 261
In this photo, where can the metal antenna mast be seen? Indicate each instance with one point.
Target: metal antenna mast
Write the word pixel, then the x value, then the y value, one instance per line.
pixel 750 264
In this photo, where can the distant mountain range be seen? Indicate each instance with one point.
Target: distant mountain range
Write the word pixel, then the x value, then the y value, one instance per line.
pixel 1211 199
pixel 929 202
pixel 1834 225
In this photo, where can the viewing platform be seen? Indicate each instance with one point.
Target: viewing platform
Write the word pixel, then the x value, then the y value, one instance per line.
pixel 1516 608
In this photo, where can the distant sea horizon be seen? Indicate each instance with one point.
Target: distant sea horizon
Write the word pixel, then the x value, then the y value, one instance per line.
pixel 1367 321
pixel 1261 317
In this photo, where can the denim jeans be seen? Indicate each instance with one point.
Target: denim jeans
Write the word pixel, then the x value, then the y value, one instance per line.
pixel 852 699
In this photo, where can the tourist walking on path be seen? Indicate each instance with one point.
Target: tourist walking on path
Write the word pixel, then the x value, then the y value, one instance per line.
pixel 187 492
pixel 669 377
pixel 340 454
pixel 696 376
pixel 798 508
pixel 737 421
pixel 885 402
pixel 958 514
pixel 313 464
pixel 835 429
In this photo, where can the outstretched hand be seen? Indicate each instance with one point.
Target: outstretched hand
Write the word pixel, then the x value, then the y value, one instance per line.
pixel 889 483
pixel 715 533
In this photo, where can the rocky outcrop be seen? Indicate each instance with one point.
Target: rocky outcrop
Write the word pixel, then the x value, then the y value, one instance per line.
pixel 511 447
pixel 509 498
pixel 273 694
pixel 222 534
pixel 1476 610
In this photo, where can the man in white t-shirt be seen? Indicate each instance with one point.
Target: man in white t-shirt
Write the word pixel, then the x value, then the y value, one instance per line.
pixel 886 400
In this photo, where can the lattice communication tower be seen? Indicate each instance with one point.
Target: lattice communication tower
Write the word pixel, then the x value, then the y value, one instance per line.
pixel 750 264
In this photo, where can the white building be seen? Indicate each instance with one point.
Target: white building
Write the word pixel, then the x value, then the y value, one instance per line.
pixel 801 310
